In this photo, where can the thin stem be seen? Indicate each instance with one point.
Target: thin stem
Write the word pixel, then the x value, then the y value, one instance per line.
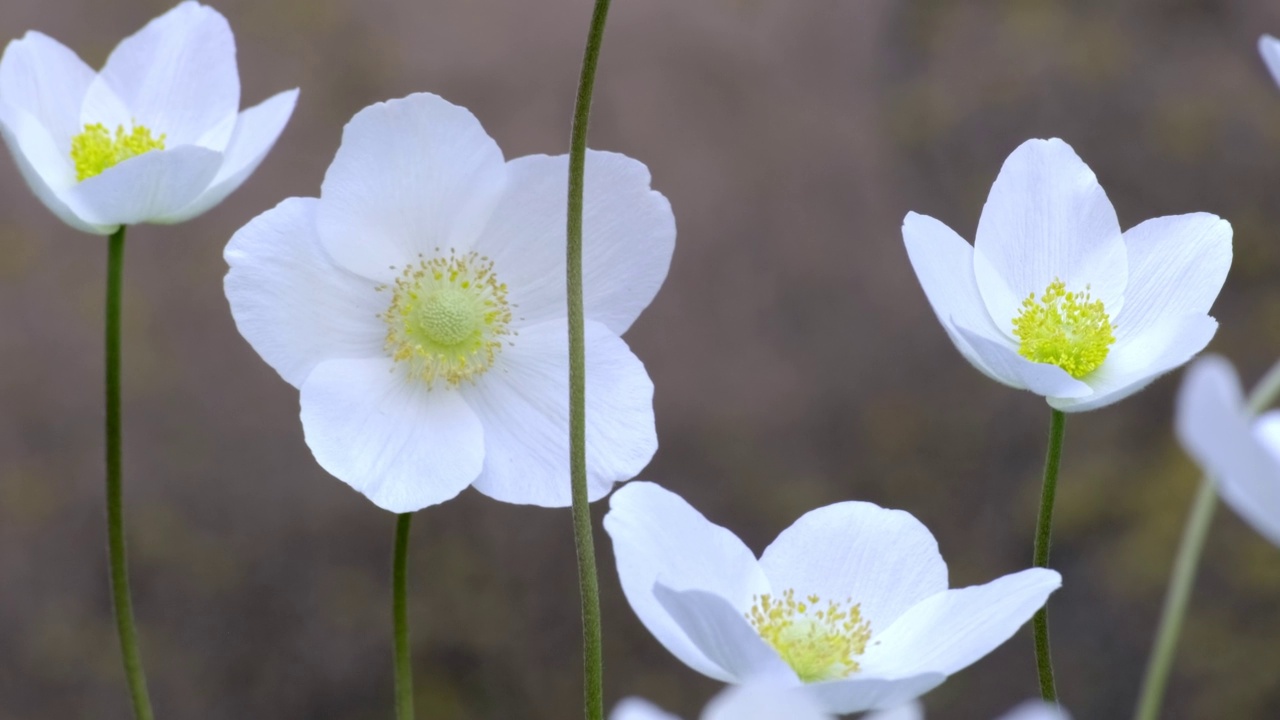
pixel 588 581
pixel 1185 566
pixel 121 599
pixel 1044 536
pixel 400 619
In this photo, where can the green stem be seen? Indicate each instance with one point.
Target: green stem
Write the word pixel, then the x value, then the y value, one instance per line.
pixel 400 619
pixel 1185 567
pixel 120 596
pixel 588 581
pixel 1044 536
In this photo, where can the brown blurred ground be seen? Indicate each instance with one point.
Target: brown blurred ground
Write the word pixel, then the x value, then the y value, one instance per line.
pixel 796 360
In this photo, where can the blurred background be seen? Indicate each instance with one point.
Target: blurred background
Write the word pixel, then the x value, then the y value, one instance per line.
pixel 796 360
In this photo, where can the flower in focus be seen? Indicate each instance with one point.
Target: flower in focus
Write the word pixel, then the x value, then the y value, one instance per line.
pixel 851 601
pixel 1241 453
pixel 156 136
pixel 418 305
pixel 1270 49
pixel 1054 299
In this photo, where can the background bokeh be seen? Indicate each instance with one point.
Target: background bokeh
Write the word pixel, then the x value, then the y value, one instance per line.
pixel 796 361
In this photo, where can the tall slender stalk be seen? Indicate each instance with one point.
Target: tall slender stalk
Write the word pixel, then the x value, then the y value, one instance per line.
pixel 1185 566
pixel 588 581
pixel 1044 536
pixel 400 619
pixel 117 556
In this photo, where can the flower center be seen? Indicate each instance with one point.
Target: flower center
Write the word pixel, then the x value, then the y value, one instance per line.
pixel 1067 329
pixel 96 149
pixel 446 318
pixel 818 642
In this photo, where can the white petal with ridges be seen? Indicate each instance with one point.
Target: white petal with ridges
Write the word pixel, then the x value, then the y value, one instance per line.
pixel 152 187
pixel 1177 265
pixel 884 560
pixel 35 155
pixel 719 630
pixel 862 692
pixel 387 436
pixel 293 305
pixel 416 175
pixel 1010 368
pixel 47 80
pixel 1047 218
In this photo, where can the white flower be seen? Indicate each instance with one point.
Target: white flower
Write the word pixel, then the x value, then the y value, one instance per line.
pixel 1054 299
pixel 1241 453
pixel 155 137
pixel 851 601
pixel 419 306
pixel 1270 49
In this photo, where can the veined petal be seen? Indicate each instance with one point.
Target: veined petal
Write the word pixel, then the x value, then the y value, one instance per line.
pixel 1214 427
pixel 45 79
pixel 629 234
pixel 884 560
pixel 411 177
pixel 1010 368
pixel 724 636
pixel 636 709
pixel 954 628
pixel 1137 361
pixel 862 692
pixel 151 187
pixel 658 536
pixel 1047 218
pixel 1270 49
pixel 523 402
pixel 41 166
pixel 293 305
pixel 943 262
pixel 1177 265
pixel 255 132
pixel 178 76
pixel 387 436
pixel 764 700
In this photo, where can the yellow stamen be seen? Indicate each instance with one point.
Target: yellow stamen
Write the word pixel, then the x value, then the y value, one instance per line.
pixel 95 149
pixel 818 642
pixel 1067 329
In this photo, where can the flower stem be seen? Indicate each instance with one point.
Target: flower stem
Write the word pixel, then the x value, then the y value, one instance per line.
pixel 1044 534
pixel 120 596
pixel 588 581
pixel 400 619
pixel 1185 567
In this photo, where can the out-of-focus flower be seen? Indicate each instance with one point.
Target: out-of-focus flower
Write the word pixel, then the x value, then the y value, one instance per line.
pixel 155 137
pixel 1270 49
pixel 419 307
pixel 1241 453
pixel 1054 299
pixel 759 700
pixel 851 601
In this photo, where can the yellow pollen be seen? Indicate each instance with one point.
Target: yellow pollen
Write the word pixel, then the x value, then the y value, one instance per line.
pixel 1067 329
pixel 446 319
pixel 818 641
pixel 95 149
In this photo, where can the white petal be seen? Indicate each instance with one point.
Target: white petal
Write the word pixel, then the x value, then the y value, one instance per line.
pixel 1036 710
pixel 412 175
pixel 1270 49
pixel 523 401
pixel 151 187
pixel 41 166
pixel 764 700
pixel 1177 265
pixel 910 711
pixel 724 636
pixel 177 76
pixel 629 234
pixel 1136 362
pixel 1047 218
pixel 1214 427
pixel 1010 368
pixel 943 262
pixel 387 436
pixel 859 692
pixel 636 709
pixel 955 628
pixel 884 560
pixel 293 305
pixel 256 131
pixel 658 536
pixel 47 80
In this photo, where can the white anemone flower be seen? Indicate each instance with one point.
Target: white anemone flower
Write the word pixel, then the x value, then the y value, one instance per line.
pixel 155 137
pixel 759 700
pixel 851 602
pixel 1269 46
pixel 418 305
pixel 1240 452
pixel 1053 298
